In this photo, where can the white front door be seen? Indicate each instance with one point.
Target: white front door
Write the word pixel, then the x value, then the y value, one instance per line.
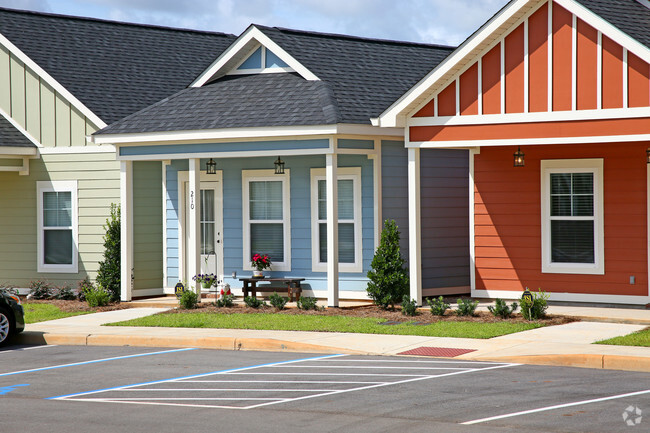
pixel 211 222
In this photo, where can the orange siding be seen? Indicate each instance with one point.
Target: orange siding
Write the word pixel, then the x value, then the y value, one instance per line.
pixel 638 81
pixel 491 81
pixel 508 220
pixel 538 60
pixel 427 110
pixel 562 58
pixel 612 74
pixel 469 91
pixel 514 73
pixel 587 67
pixel 447 101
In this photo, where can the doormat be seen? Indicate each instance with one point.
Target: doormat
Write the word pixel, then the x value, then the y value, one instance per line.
pixel 444 352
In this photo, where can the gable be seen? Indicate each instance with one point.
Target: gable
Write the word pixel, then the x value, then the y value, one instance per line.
pixel 261 60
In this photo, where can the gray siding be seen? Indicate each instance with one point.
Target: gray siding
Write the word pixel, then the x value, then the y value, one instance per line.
pixel 394 189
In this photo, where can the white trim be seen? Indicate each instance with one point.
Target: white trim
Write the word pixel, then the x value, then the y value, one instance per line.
pixel 15 51
pixel 18 151
pixel 626 71
pixel 182 177
pixel 164 165
pixel 502 84
pixel 331 170
pixel 527 141
pixel 479 88
pixel 472 228
pixel 266 175
pixel 126 229
pixel 549 107
pixel 526 68
pixel 262 70
pixel 343 173
pixel 594 166
pixel 58 186
pixel 566 297
pixel 22 170
pixel 574 62
pixel 222 64
pixel 599 72
pixel 22 130
pixel 415 237
pixel 645 3
pixel 69 150
pixel 457 81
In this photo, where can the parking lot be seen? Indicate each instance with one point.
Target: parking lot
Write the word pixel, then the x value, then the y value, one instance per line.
pixel 119 388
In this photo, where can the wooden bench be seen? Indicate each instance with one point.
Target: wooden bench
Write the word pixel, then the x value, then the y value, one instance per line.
pixel 293 286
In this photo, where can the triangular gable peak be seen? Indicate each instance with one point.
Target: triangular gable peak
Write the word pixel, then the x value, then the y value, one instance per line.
pixel 253 52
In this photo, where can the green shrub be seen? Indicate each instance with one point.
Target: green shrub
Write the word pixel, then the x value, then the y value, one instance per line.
pixel 278 301
pixel 97 297
pixel 466 307
pixel 438 306
pixel 188 299
pixel 537 308
pixel 225 301
pixel 40 290
pixel 84 285
pixel 304 303
pixel 389 280
pixel 253 302
pixel 110 270
pixel 65 293
pixel 501 309
pixel 409 306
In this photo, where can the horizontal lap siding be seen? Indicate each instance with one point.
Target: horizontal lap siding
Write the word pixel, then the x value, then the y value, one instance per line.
pixel 394 189
pixel 508 221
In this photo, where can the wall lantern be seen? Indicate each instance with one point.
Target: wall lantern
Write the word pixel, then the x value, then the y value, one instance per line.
pixel 211 167
pixel 519 158
pixel 647 155
pixel 279 166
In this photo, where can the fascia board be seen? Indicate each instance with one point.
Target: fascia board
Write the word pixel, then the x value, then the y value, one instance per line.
pixel 52 82
pixel 17 151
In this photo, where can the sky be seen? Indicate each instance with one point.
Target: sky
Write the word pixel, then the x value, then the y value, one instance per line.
pixel 447 22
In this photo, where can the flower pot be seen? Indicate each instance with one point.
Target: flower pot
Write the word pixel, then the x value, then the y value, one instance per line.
pixel 206 284
pixel 258 274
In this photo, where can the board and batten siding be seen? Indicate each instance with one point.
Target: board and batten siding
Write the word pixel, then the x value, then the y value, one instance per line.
pixel 37 107
pixel 444 211
pixel 98 187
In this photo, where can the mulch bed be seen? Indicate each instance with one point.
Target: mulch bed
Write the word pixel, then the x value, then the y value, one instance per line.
pixel 74 306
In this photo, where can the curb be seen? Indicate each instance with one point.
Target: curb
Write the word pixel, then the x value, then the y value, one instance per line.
pixel 605 362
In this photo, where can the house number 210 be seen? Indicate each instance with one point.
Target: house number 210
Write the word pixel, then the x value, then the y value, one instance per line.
pixel 192 200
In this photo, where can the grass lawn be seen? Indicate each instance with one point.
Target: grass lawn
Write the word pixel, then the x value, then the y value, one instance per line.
pixel 42 312
pixel 265 321
pixel 639 338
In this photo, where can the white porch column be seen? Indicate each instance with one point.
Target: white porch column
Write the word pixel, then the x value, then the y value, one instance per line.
pixel 194 223
pixel 332 230
pixel 126 230
pixel 415 240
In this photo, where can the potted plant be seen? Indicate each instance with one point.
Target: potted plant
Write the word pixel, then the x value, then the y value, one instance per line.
pixel 260 262
pixel 206 280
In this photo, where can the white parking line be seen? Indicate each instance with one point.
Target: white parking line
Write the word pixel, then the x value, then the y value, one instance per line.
pixel 27 348
pixel 366 367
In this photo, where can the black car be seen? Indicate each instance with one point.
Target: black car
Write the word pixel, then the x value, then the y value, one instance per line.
pixel 12 319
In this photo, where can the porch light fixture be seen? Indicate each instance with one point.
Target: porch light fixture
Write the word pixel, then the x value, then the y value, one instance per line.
pixel 519 158
pixel 279 166
pixel 647 155
pixel 211 167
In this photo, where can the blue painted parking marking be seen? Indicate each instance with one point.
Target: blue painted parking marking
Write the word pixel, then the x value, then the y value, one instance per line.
pixel 4 390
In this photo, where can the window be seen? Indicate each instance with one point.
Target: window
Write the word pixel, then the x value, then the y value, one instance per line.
pixel 349 219
pixel 57 227
pixel 262 60
pixel 266 217
pixel 572 216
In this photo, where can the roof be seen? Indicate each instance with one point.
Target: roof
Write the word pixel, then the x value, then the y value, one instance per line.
pixel 629 16
pixel 12 137
pixel 359 78
pixel 113 68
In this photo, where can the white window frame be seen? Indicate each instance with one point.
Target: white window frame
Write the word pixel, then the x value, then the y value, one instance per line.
pixel 57 186
pixel 263 69
pixel 343 173
pixel 594 166
pixel 266 175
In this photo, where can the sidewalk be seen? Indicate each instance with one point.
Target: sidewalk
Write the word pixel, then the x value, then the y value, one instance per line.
pixel 566 345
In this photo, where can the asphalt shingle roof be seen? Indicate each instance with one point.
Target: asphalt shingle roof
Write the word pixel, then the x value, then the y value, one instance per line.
pixel 629 16
pixel 114 68
pixel 11 137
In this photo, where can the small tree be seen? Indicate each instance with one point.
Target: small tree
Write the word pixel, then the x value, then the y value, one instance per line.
pixel 110 270
pixel 389 280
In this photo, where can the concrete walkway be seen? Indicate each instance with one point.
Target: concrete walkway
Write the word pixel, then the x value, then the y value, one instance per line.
pixel 567 345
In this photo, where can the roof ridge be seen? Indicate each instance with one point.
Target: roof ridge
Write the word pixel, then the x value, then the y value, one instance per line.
pixel 113 22
pixel 352 37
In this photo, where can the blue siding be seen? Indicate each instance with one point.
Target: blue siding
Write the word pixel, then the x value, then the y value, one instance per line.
pixel 347 143
pixel 251 146
pixel 172 212
pixel 394 189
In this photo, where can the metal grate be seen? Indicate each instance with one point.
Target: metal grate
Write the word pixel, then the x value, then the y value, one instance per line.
pixel 445 352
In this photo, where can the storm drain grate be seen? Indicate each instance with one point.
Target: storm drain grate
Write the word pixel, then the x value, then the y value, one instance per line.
pixel 445 352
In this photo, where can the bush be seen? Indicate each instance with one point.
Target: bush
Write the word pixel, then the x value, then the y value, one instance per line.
pixel 8 289
pixel 501 309
pixel 537 308
pixel 97 297
pixel 466 307
pixel 253 302
pixel 225 301
pixel 409 306
pixel 82 287
pixel 438 306
pixel 110 270
pixel 188 299
pixel 65 293
pixel 389 280
pixel 307 303
pixel 278 301
pixel 40 290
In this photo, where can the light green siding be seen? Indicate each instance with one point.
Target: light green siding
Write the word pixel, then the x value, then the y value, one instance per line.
pixel 17 73
pixel 33 103
pixel 5 81
pixel 77 128
pixel 62 117
pixel 48 118
pixel 98 187
pixel 147 225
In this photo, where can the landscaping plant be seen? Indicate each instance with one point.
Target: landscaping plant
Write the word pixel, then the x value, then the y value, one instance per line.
pixel 65 293
pixel 40 290
pixel 389 280
pixel 304 303
pixel 253 302
pixel 438 306
pixel 188 299
pixel 278 301
pixel 97 296
pixel 225 301
pixel 501 309
pixel 409 306
pixel 109 273
pixel 466 307
pixel 537 308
